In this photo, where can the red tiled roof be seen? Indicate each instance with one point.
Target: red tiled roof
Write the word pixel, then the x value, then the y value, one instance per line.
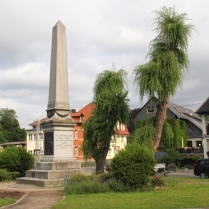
pixel 87 111
pixel 122 132
pixel 76 114
pixel 34 122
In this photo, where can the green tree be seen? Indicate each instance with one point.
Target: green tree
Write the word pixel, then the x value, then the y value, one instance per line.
pixel 10 130
pixel 110 97
pixel 168 60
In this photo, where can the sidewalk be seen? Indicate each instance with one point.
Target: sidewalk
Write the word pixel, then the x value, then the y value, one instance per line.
pixel 33 197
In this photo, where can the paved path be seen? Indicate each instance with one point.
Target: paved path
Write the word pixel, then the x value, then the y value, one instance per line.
pixel 33 197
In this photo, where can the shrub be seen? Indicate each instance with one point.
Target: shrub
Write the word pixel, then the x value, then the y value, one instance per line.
pixel 171 156
pixel 86 187
pixel 80 178
pixel 115 185
pixel 16 159
pixel 156 181
pixel 133 166
pixel 5 175
pixel 171 167
pixel 14 175
pixel 80 184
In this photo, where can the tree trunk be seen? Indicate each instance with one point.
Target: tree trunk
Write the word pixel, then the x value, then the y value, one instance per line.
pixel 159 122
pixel 100 161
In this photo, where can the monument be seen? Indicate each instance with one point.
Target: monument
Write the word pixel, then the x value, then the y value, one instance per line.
pixel 59 126
pixel 58 162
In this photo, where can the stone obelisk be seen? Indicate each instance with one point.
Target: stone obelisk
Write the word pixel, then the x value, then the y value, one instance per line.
pixel 59 126
pixel 58 162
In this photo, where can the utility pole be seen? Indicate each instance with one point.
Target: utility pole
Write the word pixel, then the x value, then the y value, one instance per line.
pixel 37 134
pixel 37 147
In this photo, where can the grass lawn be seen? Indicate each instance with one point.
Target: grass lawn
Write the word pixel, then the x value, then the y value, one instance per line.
pixel 6 201
pixel 177 193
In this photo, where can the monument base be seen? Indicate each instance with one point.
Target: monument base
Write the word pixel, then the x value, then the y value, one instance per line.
pixel 49 158
pixel 51 174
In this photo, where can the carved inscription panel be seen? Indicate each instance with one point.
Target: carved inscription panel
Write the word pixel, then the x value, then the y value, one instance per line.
pixel 63 142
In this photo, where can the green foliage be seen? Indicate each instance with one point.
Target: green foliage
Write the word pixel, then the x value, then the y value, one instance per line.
pixel 168 57
pixel 171 156
pixel 171 167
pixel 86 188
pixel 5 175
pixel 110 92
pixel 167 136
pixel 144 132
pixel 161 76
pixel 80 184
pixel 133 166
pixel 179 130
pixel 192 157
pixel 173 132
pixel 16 159
pixel 2 138
pixel 10 130
pixel 80 178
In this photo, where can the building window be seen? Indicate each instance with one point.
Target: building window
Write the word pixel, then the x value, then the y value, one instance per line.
pixel 34 136
pixel 198 143
pixel 122 139
pixel 40 135
pixel 76 135
pixel 30 136
pixel 189 143
pixel 150 109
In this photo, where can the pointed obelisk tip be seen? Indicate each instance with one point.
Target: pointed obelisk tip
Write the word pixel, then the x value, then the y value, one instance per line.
pixel 59 24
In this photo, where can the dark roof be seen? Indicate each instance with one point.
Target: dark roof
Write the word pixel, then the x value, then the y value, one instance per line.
pixel 204 108
pixel 184 113
pixel 181 112
pixel 134 112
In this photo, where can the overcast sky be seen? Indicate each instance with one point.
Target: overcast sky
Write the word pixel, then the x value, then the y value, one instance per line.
pixel 99 33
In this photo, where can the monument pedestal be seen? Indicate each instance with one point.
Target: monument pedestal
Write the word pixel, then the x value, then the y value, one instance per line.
pixel 60 162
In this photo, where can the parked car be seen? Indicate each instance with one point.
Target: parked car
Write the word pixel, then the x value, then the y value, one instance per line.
pixel 201 168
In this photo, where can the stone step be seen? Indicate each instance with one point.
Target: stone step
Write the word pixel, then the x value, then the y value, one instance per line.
pixel 58 165
pixel 51 174
pixel 40 182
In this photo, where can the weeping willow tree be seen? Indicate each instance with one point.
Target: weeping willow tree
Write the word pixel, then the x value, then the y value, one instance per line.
pixel 110 97
pixel 168 60
pixel 180 133
pixel 174 131
pixel 143 133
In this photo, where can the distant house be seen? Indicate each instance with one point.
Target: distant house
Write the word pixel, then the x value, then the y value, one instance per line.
pixel 118 141
pixel 192 120
pixel 203 111
pixel 21 144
